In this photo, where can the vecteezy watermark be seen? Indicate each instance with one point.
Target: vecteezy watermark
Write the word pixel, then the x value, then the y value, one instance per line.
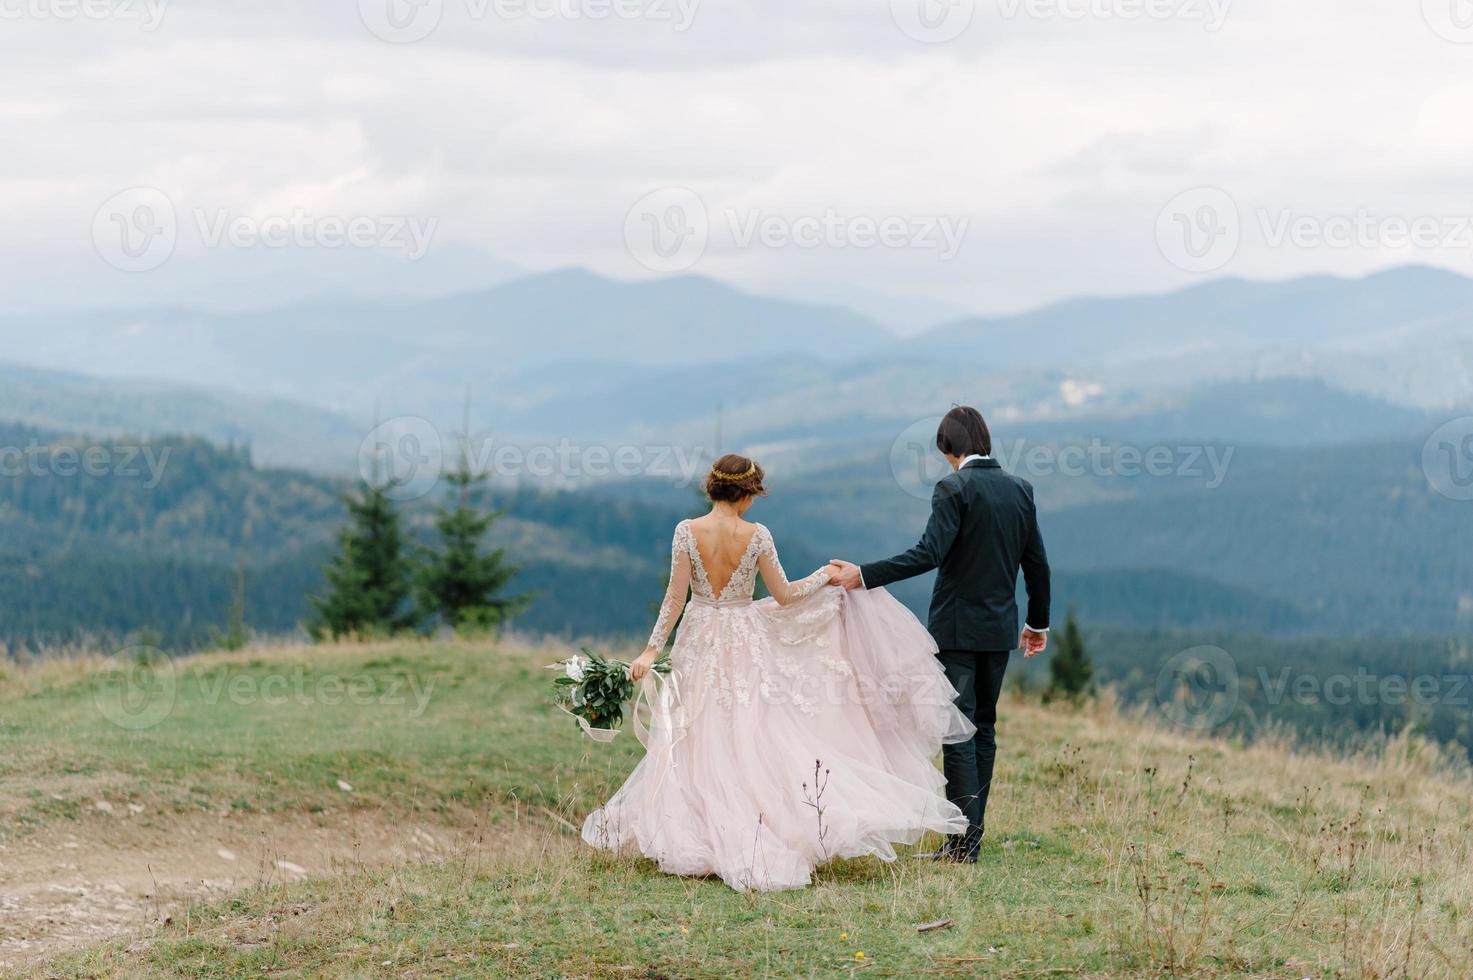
pixel 39 459
pixel 408 21
pixel 1198 688
pixel 1201 230
pixel 1365 688
pixel 933 21
pixel 138 688
pixel 1447 459
pixel 918 465
pixel 1451 20
pixel 147 14
pixel 668 230
pixel 407 456
pixel 1364 228
pixel 138 229
pixel 1212 14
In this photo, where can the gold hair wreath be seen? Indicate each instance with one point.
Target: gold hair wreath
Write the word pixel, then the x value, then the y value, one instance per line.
pixel 735 477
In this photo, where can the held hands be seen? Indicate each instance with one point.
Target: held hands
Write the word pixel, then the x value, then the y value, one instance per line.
pixel 1032 643
pixel 641 667
pixel 845 574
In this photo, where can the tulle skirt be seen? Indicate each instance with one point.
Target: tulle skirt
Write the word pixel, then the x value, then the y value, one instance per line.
pixel 787 737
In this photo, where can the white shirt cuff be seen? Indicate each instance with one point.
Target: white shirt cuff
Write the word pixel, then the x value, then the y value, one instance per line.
pixel 1031 629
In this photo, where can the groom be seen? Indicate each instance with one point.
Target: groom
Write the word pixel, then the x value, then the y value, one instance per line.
pixel 983 529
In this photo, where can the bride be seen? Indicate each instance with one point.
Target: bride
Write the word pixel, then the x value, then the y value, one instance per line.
pixel 790 731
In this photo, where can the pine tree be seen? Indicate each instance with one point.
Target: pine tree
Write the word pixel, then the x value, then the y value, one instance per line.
pixel 369 579
pixel 460 582
pixel 1071 676
pixel 236 633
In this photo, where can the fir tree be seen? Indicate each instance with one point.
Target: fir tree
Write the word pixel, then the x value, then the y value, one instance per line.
pixel 369 579
pixel 1071 676
pixel 236 633
pixel 462 583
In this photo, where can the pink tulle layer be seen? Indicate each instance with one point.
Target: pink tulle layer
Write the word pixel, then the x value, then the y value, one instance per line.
pixel 786 737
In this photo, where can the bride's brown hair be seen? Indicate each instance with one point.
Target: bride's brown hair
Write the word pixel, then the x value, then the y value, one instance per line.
pixel 734 478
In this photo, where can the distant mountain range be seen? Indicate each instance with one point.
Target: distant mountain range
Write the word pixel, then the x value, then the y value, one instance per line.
pixel 414 356
pixel 278 431
pixel 572 356
pixel 1202 321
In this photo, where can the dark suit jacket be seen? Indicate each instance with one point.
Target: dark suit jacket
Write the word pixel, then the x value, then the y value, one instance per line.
pixel 983 529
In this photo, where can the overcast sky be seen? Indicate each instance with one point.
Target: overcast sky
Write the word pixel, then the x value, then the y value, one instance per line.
pixel 985 158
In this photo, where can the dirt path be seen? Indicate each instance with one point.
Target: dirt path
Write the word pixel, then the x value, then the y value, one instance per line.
pixel 110 874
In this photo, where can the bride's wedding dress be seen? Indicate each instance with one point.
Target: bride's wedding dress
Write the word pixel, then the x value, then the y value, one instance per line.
pixel 790 731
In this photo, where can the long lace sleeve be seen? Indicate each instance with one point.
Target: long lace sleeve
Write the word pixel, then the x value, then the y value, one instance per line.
pixel 776 580
pixel 675 593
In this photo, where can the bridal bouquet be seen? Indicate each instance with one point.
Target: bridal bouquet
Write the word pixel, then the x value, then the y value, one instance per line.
pixel 594 689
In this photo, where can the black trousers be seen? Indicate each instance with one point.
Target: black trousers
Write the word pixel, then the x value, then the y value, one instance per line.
pixel 977 678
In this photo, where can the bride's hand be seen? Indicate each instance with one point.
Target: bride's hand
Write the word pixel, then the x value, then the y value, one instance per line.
pixel 642 666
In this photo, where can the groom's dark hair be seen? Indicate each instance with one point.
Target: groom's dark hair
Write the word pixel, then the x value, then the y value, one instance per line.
pixel 963 432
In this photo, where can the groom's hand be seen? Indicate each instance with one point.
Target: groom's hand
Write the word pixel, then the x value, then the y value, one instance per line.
pixel 845 574
pixel 1033 642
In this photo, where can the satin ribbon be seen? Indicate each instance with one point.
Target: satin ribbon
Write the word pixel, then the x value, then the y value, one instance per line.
pixel 655 694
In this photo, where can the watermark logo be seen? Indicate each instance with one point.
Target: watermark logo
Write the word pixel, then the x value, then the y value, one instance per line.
pixel 667 230
pixel 1212 14
pixel 145 463
pixel 408 21
pixel 401 21
pixel 1451 20
pixel 136 229
pixel 1198 689
pixel 1200 230
pixel 148 14
pixel 918 465
pixel 915 462
pixel 1203 229
pixel 1447 459
pixel 136 688
pixel 670 229
pixel 404 455
pixel 1364 229
pixel 1365 688
pixel 933 21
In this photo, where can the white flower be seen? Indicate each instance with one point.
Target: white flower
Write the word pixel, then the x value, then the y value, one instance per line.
pixel 574 668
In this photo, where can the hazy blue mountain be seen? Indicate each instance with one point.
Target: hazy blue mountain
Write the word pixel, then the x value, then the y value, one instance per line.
pixel 907 315
pixel 234 279
pixel 602 400
pixel 411 356
pixel 1278 412
pixel 570 355
pixel 279 432
pixel 1224 314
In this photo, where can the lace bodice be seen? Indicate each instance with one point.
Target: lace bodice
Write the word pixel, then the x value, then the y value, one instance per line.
pixel 688 574
pixel 743 581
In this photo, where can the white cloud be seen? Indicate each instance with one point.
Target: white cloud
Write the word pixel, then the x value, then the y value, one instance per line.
pixel 1057 139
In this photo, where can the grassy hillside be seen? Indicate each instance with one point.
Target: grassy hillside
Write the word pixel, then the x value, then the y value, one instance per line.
pixel 1117 847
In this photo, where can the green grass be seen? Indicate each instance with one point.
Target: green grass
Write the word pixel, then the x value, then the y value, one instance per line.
pixel 1117 848
pixel 436 727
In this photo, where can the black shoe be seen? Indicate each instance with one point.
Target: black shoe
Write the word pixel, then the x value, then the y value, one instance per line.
pixel 957 850
pixel 947 852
